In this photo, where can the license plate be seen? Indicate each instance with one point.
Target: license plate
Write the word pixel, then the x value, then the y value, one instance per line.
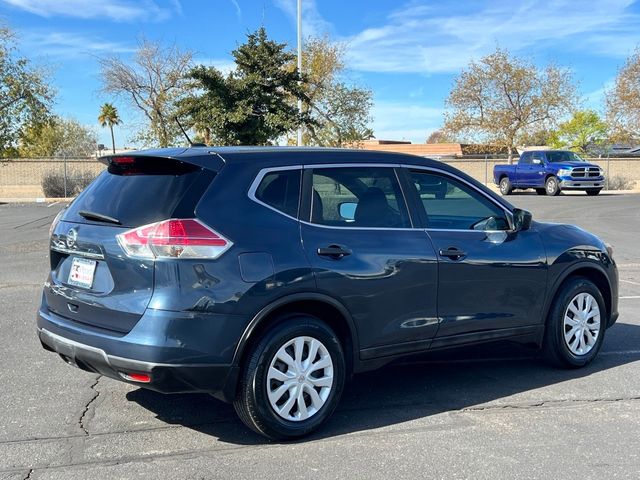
pixel 81 273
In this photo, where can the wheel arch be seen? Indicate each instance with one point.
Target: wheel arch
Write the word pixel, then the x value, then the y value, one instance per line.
pixel 589 270
pixel 318 305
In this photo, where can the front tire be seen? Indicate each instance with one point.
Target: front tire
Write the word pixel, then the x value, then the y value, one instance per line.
pixel 552 187
pixel 593 192
pixel 576 324
pixel 505 186
pixel 292 380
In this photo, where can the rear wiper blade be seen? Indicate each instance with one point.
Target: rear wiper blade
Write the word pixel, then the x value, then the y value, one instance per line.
pixel 99 217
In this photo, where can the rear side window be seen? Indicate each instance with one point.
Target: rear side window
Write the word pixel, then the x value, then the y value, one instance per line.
pixel 367 197
pixel 281 191
pixel 146 191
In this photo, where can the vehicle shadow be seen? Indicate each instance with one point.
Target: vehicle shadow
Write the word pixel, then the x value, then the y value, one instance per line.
pixel 406 390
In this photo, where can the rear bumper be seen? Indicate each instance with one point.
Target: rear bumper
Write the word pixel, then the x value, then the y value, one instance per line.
pixel 174 366
pixel 165 378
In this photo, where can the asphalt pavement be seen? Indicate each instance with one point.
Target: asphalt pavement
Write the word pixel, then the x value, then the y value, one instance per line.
pixel 495 411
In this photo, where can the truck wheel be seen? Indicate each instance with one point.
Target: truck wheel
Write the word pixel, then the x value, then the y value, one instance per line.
pixel 552 187
pixel 593 192
pixel 292 379
pixel 505 186
pixel 576 324
pixel 541 191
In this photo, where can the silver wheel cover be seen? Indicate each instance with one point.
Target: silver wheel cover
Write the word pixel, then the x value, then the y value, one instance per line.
pixel 299 378
pixel 581 324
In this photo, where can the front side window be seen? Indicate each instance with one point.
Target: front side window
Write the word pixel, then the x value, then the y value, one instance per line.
pixel 538 156
pixel 281 190
pixel 450 204
pixel 358 197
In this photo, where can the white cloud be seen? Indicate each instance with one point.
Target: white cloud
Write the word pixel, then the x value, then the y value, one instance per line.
pixel 236 5
pixel 405 121
pixel 313 23
pixel 594 100
pixel 422 39
pixel 118 10
pixel 225 65
pixel 69 45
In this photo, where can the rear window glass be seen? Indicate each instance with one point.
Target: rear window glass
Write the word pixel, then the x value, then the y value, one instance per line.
pixel 281 190
pixel 138 196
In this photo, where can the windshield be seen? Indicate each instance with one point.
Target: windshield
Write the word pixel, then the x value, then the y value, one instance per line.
pixel 559 157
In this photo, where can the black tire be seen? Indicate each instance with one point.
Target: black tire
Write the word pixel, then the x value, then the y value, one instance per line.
pixel 505 186
pixel 593 192
pixel 555 347
pixel 252 403
pixel 541 191
pixel 552 187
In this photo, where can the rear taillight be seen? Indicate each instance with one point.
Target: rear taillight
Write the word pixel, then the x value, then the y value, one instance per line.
pixel 55 221
pixel 175 238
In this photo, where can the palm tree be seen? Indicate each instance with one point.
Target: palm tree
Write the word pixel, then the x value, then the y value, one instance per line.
pixel 109 117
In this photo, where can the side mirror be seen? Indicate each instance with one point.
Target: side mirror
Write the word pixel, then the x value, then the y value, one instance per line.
pixel 347 211
pixel 521 219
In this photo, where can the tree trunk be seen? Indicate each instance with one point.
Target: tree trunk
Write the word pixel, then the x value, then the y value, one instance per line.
pixel 113 140
pixel 510 150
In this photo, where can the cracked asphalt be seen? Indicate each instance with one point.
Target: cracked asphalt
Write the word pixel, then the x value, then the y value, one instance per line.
pixel 494 411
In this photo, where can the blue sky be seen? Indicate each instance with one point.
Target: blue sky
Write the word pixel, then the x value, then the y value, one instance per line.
pixel 407 52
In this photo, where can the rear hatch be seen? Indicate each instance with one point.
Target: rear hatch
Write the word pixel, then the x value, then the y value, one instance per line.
pixel 92 281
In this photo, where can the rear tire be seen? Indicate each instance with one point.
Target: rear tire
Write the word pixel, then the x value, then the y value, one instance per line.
pixel 541 191
pixel 576 324
pixel 593 192
pixel 505 186
pixel 284 394
pixel 552 187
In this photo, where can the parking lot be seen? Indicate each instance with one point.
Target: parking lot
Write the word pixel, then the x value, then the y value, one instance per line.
pixel 488 412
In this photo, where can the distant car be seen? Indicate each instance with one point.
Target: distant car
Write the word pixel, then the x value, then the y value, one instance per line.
pixel 268 276
pixel 549 172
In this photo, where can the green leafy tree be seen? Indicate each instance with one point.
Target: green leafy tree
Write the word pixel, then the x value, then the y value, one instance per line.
pixel 108 118
pixel 499 98
pixel 585 131
pixel 58 137
pixel 25 93
pixel 251 105
pixel 153 82
pixel 336 112
pixel 535 137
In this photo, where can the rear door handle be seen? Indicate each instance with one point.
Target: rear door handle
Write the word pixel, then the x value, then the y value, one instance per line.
pixel 453 253
pixel 334 251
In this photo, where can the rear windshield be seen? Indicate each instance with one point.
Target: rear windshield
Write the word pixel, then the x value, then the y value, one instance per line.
pixel 143 194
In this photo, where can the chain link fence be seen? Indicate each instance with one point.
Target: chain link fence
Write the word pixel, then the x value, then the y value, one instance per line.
pixel 65 177
pixel 30 178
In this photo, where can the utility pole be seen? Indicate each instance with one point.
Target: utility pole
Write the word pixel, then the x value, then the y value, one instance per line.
pixel 300 65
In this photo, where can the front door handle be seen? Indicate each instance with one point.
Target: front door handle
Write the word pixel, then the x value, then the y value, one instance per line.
pixel 334 251
pixel 453 253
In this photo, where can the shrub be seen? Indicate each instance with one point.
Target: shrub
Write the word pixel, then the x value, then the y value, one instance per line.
pixel 53 183
pixel 83 179
pixel 618 182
